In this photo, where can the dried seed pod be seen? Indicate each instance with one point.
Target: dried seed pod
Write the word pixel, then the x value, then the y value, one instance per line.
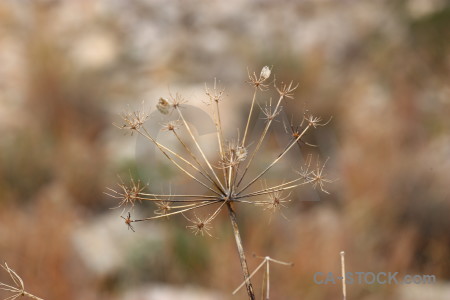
pixel 163 106
pixel 265 73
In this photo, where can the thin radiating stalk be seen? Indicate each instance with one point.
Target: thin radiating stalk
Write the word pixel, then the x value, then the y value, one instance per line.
pixel 162 148
pixel 249 117
pixel 176 200
pixel 275 161
pixel 269 189
pixel 19 289
pixel 176 212
pixel 206 175
pixel 219 129
pixel 220 138
pixel 261 139
pixel 240 249
pixel 200 149
pixel 182 206
pixel 179 196
pixel 272 190
pixel 216 212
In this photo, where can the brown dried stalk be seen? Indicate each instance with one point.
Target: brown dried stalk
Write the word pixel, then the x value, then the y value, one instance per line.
pixel 18 289
pixel 266 261
pixel 221 179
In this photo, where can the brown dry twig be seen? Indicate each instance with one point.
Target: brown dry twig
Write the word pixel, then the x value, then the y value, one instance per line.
pixel 18 289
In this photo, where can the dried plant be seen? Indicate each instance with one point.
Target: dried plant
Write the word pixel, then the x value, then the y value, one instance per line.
pixel 344 277
pixel 266 279
pixel 225 181
pixel 18 289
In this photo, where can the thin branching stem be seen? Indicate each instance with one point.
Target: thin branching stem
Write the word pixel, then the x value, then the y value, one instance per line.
pixel 269 189
pixel 251 275
pixel 163 148
pixel 179 196
pixel 204 173
pixel 261 139
pixel 272 190
pixel 200 149
pixel 176 212
pixel 275 161
pixel 176 200
pixel 18 289
pixel 249 117
pixel 266 260
pixel 182 206
pixel 218 123
pixel 219 129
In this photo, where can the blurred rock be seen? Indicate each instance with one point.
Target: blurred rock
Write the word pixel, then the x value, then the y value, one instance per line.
pixel 103 243
pixel 164 292
pixel 424 292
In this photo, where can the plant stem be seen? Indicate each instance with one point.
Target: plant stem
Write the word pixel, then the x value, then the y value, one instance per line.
pixel 240 249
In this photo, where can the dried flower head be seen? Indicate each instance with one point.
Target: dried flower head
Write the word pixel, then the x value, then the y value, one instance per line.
pixel 258 82
pixel 215 95
pixel 286 91
pixel 318 178
pixel 133 120
pixel 127 195
pixel 276 201
pixel 128 221
pixel 200 226
pixel 171 125
pixel 315 121
pixel 164 208
pixel 177 100
pixel 269 112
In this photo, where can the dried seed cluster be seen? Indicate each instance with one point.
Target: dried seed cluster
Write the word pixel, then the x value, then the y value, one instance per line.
pixel 224 180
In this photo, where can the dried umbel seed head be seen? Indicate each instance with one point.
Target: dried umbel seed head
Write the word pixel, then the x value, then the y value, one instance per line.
pixel 265 73
pixel 128 221
pixel 171 125
pixel 133 120
pixel 163 106
pixel 163 208
pixel 258 82
pixel 200 226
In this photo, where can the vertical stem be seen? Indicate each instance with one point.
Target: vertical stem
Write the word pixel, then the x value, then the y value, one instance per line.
pixel 344 290
pixel 268 280
pixel 249 117
pixel 240 249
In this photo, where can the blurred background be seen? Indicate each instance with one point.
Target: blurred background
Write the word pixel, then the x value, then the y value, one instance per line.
pixel 380 68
